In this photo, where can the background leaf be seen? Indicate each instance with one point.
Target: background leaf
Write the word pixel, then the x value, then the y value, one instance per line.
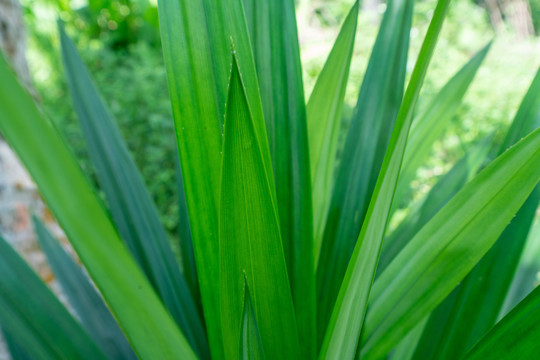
pixel 448 246
pixel 419 214
pixel 430 124
pixel 347 322
pixel 481 295
pixel 82 295
pixel 34 318
pixel 131 208
pixel 132 300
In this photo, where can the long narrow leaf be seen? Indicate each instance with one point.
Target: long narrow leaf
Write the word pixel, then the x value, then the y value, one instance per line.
pixel 137 308
pixel 447 247
pixel 16 351
pixel 32 316
pixel 464 170
pixel 274 40
pixel 324 120
pixel 431 123
pixel 131 207
pixel 347 322
pixel 196 41
pixel 515 336
pixel 82 295
pixel 197 78
pixel 185 239
pixel 366 143
pixel 251 346
pixel 482 293
pixel 250 245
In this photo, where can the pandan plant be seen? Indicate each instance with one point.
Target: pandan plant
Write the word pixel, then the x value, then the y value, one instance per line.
pixel 286 248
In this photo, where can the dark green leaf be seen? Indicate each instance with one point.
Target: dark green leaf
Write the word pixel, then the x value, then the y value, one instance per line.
pixel 31 314
pixel 82 295
pixel 251 345
pixel 131 207
pixel 515 336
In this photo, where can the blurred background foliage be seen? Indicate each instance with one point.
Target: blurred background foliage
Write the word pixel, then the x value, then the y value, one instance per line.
pixel 119 41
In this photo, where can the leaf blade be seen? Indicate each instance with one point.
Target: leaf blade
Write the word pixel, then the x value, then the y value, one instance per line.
pixel 32 315
pixel 324 110
pixel 274 40
pixel 132 209
pixel 71 199
pixel 425 272
pixel 382 90
pixel 247 214
pixel 94 314
pixel 481 294
pixel 347 322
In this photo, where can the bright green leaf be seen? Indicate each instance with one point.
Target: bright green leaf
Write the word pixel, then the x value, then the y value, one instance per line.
pixel 272 25
pixel 250 245
pixel 347 322
pixel 448 246
pixel 431 123
pixel 362 156
pixel 324 110
pixel 482 293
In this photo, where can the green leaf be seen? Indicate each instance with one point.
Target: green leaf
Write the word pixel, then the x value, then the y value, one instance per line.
pixel 275 45
pixel 250 245
pixel 482 293
pixel 196 37
pixel 525 279
pixel 515 336
pixel 16 351
pixel 31 314
pixel 324 110
pixel 140 313
pixel 449 245
pixel 347 322
pixel 431 123
pixel 196 60
pixel 405 349
pixel 251 345
pixel 185 240
pixel 366 143
pixel 130 204
pixel 82 295
pixel 440 194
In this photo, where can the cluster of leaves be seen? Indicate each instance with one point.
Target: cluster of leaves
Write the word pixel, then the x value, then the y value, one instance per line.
pixel 286 252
